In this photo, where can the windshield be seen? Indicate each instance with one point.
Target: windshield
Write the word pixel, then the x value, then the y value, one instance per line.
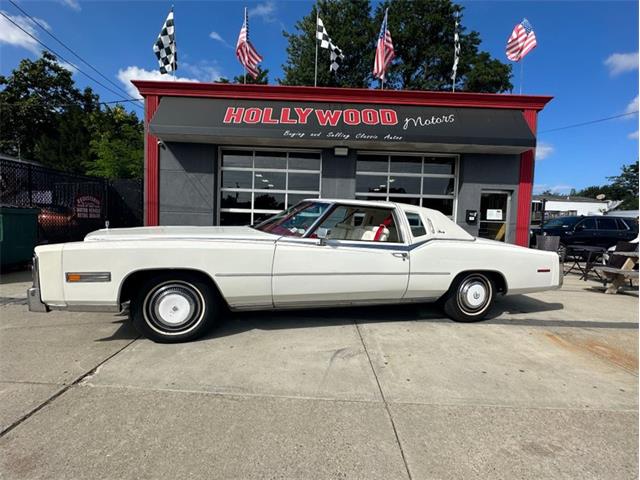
pixel 561 222
pixel 295 221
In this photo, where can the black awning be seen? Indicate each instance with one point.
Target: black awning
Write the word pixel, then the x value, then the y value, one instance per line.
pixel 226 121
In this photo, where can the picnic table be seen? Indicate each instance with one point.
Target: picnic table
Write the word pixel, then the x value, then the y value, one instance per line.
pixel 618 276
pixel 590 254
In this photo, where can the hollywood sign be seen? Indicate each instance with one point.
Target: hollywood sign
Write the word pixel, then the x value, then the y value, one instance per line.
pixel 301 116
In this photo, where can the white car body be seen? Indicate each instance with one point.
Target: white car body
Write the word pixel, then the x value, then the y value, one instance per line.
pixel 255 270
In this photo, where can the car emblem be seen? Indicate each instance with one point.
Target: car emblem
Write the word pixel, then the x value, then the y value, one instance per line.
pixel 476 295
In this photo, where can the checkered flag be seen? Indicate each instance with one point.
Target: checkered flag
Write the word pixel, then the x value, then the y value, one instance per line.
pixel 325 42
pixel 165 46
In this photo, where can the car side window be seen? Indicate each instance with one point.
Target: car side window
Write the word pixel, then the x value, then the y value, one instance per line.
pixel 415 222
pixel 607 224
pixel 361 224
pixel 586 224
pixel 622 225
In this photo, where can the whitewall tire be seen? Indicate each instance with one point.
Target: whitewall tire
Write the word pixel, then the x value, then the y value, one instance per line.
pixel 470 297
pixel 173 308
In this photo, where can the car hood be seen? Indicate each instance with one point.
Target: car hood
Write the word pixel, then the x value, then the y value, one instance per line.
pixel 178 233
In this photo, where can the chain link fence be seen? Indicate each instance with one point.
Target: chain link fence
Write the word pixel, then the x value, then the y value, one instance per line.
pixel 70 205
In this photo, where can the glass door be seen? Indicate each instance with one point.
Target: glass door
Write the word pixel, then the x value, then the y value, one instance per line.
pixel 494 214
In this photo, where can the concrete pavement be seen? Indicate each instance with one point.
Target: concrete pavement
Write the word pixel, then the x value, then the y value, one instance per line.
pixel 546 388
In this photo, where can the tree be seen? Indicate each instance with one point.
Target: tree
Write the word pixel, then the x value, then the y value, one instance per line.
pixel 44 117
pixel 422 32
pixel 349 24
pixel 117 145
pixel 622 187
pixel 41 114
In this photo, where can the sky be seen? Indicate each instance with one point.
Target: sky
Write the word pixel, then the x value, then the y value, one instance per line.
pixel 586 58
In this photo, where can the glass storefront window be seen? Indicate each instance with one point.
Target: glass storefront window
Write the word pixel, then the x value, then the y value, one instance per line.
pixel 238 158
pixel 236 179
pixel 371 184
pixel 236 200
pixel 303 181
pixel 257 184
pixel 404 185
pixel 270 180
pixel 372 163
pixel 275 160
pixel 293 199
pixel 406 164
pixel 268 201
pixel 429 180
pixel 445 205
pixel 304 161
pixel 234 218
pixel 437 186
pixel 439 165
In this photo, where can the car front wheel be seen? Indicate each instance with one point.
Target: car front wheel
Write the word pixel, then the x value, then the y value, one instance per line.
pixel 469 298
pixel 175 308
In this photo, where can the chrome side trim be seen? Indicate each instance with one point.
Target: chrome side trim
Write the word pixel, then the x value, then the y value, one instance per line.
pixel 232 275
pixel 430 273
pixel 89 308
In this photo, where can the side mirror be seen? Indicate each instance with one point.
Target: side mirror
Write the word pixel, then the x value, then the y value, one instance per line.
pixel 323 234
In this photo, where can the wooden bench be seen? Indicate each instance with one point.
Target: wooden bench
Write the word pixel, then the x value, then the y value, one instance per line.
pixel 620 267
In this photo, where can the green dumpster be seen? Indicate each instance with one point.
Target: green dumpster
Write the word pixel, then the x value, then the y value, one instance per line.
pixel 18 234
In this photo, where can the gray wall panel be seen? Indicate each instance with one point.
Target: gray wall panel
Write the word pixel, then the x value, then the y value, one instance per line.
pixel 187 184
pixel 487 172
pixel 338 175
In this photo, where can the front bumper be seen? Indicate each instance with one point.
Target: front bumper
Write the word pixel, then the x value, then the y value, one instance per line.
pixel 33 294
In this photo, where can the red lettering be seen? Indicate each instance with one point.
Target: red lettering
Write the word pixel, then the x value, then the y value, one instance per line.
pixel 388 116
pixel 351 117
pixel 303 114
pixel 252 115
pixel 330 116
pixel 285 116
pixel 370 116
pixel 233 115
pixel 266 118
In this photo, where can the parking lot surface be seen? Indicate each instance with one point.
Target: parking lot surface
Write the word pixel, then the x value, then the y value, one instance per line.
pixel 545 388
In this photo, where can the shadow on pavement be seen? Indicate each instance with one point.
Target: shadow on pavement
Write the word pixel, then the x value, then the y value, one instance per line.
pixel 238 322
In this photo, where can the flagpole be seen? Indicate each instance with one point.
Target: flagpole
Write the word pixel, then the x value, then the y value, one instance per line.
pixel 521 74
pixel 176 46
pixel 315 39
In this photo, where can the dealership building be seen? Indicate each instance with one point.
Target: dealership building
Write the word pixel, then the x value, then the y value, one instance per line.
pixel 229 154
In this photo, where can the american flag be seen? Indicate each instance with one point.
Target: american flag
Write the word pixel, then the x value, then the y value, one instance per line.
pixel 384 50
pixel 521 41
pixel 246 53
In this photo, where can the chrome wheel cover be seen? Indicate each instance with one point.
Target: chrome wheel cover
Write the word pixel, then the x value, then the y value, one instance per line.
pixel 474 294
pixel 174 307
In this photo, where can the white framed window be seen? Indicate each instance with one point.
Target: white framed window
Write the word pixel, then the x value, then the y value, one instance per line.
pixel 427 180
pixel 255 184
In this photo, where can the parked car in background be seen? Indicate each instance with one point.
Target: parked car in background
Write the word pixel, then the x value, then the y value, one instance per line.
pixel 318 253
pixel 55 222
pixel 593 230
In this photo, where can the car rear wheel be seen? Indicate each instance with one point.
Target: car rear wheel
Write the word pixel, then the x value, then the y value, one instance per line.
pixel 175 308
pixel 469 298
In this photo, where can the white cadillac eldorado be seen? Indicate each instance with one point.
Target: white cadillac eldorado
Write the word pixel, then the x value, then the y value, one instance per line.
pixel 318 253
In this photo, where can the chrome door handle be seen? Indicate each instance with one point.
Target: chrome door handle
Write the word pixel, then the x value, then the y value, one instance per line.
pixel 402 255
